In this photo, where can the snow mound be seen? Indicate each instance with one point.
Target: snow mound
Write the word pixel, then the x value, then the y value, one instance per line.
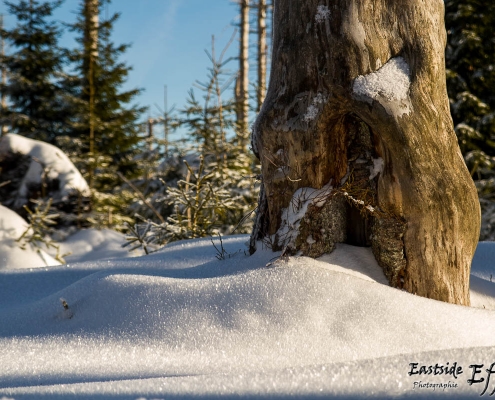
pixel 482 283
pixel 95 244
pixel 44 155
pixel 483 265
pixel 180 322
pixel 12 226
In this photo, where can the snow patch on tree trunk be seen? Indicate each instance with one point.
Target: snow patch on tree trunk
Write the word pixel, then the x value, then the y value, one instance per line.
pixel 389 85
pixel 293 215
pixel 322 13
pixel 376 168
pixel 314 108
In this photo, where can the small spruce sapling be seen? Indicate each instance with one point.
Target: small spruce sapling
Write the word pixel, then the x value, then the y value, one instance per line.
pixel 41 221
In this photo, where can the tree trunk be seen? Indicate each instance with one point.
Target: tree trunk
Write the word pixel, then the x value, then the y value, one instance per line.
pixel 3 99
pixel 262 47
pixel 243 80
pixel 357 144
pixel 91 11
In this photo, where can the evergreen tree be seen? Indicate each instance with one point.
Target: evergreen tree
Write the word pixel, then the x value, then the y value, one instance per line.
pixel 215 131
pixel 99 78
pixel 35 97
pixel 470 61
pixel 213 192
pixel 104 131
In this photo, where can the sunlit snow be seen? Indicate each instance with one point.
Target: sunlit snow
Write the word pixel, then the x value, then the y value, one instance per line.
pixel 180 323
pixel 12 226
pixel 44 156
pixel 389 85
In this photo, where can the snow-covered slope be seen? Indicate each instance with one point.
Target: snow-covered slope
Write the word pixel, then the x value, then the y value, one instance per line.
pixel 180 323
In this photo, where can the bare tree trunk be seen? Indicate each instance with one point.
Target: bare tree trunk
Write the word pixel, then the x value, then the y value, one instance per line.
pixel 357 144
pixel 3 100
pixel 262 50
pixel 91 10
pixel 242 88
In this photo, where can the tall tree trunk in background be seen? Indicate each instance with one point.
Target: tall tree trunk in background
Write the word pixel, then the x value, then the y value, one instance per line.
pixel 262 49
pixel 242 88
pixel 357 144
pixel 3 100
pixel 91 11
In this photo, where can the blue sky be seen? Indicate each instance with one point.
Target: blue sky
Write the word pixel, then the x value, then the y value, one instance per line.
pixel 168 39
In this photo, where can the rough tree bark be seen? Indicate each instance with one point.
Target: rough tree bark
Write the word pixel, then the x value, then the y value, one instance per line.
pixel 262 49
pixel 3 97
pixel 91 21
pixel 357 144
pixel 242 91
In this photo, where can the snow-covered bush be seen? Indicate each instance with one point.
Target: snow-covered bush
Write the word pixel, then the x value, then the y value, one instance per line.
pixel 34 170
pixel 108 204
pixel 37 169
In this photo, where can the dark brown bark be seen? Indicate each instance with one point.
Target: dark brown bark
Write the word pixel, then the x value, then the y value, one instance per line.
pixel 357 108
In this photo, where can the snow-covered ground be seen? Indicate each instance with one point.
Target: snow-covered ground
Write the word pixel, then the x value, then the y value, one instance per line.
pixel 12 226
pixel 182 324
pixel 84 245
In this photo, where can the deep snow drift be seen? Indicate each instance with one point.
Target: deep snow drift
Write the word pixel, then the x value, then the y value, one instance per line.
pixel 180 323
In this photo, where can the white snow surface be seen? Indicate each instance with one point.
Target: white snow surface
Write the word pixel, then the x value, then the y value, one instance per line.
pixel 182 324
pixel 84 245
pixel 12 226
pixel 95 244
pixel 389 85
pixel 54 160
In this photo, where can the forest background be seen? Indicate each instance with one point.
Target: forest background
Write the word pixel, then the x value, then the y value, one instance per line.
pixel 163 173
